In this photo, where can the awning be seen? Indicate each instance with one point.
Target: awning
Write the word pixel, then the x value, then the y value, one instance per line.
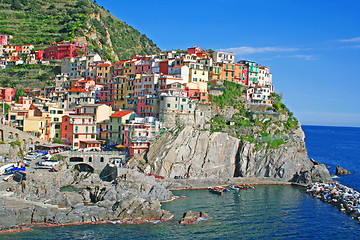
pixel 120 146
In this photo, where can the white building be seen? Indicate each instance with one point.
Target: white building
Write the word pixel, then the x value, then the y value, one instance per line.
pixel 223 57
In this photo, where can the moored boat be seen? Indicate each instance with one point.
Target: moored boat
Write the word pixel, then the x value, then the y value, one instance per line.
pixel 216 190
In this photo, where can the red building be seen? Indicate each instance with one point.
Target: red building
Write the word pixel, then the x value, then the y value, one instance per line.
pixel 193 50
pixel 58 51
pixel 164 67
pixel 7 94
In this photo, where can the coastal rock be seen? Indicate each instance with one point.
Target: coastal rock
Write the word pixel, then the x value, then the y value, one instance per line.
pixel 341 171
pixel 134 198
pixel 200 154
pixel 191 217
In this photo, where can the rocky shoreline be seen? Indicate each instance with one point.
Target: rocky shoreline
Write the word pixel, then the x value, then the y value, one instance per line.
pixel 344 198
pixel 68 197
pixel 133 198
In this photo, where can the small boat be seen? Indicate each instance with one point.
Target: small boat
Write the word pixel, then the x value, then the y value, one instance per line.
pixel 5 167
pixel 234 188
pixel 31 156
pixel 251 186
pixel 216 190
pixel 241 187
pixel 15 169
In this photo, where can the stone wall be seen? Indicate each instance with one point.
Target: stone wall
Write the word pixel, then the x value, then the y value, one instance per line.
pixel 9 134
pixel 98 160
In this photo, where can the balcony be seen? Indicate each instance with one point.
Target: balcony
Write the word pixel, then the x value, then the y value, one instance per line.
pixel 142 139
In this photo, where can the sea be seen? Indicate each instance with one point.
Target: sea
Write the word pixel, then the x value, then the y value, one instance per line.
pixel 267 212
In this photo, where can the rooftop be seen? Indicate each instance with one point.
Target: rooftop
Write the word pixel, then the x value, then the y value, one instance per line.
pixel 121 113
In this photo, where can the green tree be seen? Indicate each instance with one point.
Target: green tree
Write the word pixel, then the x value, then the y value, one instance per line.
pixel 19 93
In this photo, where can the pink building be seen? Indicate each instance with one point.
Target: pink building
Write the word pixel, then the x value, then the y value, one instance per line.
pixel 78 128
pixel 58 51
pixel 143 66
pixel 147 106
pixel 7 94
pixel 138 135
pixel 85 84
pixel 4 40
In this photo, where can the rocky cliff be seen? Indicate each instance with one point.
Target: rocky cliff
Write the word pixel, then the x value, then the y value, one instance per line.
pixel 202 154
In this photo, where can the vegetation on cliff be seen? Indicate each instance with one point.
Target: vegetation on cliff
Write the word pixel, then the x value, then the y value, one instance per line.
pixel 34 75
pixel 42 22
pixel 271 125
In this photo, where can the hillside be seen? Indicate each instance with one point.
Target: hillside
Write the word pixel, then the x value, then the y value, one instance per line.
pixel 42 22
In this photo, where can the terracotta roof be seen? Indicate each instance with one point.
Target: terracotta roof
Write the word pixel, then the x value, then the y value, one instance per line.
pixel 121 113
pixel 104 64
pixel 178 66
pixel 123 61
pixel 77 90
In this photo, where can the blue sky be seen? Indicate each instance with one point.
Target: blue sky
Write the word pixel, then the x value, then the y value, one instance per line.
pixel 311 47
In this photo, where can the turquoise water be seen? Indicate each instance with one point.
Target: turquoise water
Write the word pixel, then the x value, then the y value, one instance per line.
pixel 271 212
pixel 268 212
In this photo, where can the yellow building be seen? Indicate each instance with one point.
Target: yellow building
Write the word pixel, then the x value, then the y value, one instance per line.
pixel 215 71
pixel 197 73
pixel 40 126
pixel 104 73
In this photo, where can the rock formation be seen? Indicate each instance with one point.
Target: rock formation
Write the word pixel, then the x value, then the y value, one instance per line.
pixel 192 217
pixel 135 199
pixel 341 171
pixel 202 154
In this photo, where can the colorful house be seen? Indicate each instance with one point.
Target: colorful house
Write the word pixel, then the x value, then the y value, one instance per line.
pixel 78 96
pixel 139 133
pixel 76 128
pixel 117 120
pixel 99 112
pixel 58 51
pixel 7 94
pixel 104 72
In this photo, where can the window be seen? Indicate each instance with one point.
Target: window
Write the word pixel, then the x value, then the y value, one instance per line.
pixel 65 127
pixel 57 126
pixel 76 136
pixel 92 136
pixel 190 105
pixel 60 112
pixel 168 105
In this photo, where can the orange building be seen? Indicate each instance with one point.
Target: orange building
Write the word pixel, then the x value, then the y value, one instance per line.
pixel 231 72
